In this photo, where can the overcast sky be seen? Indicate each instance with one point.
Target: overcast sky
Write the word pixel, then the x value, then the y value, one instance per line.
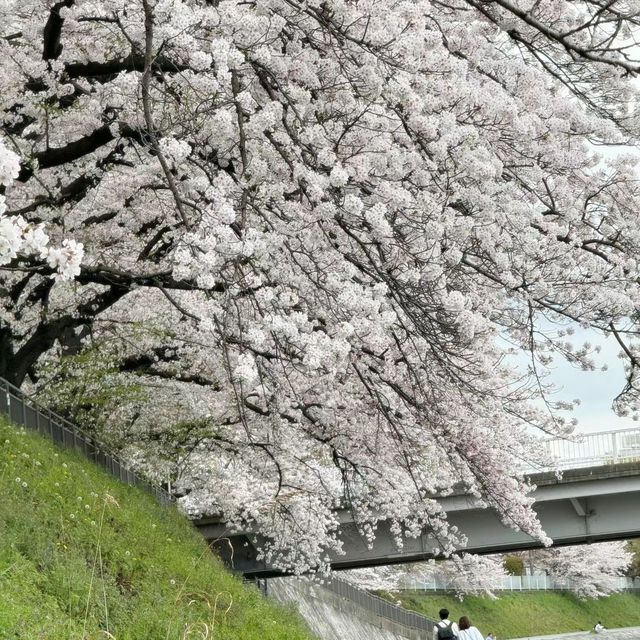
pixel 595 389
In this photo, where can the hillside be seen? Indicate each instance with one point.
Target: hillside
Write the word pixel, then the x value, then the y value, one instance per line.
pixel 83 556
pixel 517 615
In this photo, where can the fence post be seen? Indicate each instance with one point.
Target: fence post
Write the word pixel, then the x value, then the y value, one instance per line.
pixel 614 440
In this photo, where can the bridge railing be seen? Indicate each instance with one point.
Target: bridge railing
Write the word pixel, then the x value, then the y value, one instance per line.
pixel 594 449
pixel 24 411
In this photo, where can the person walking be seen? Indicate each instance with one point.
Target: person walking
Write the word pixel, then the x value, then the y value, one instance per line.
pixel 445 629
pixel 466 631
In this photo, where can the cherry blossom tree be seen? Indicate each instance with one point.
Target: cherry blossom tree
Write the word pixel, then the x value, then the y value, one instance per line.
pixel 314 231
pixel 590 571
pixel 463 574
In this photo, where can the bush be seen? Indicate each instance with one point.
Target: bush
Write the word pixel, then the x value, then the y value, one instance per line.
pixel 514 565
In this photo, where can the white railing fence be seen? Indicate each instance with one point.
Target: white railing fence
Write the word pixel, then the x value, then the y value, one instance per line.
pixel 594 449
pixel 536 582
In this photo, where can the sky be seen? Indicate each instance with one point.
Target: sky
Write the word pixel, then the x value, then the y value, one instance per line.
pixel 595 389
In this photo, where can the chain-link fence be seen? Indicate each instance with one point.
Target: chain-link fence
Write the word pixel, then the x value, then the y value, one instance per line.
pixel 26 412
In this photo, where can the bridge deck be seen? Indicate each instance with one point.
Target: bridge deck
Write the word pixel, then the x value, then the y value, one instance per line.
pixel 584 505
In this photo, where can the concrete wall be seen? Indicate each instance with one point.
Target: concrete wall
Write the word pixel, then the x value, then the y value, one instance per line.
pixel 331 617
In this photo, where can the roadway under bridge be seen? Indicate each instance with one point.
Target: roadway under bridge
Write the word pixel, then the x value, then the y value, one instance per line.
pixel 591 503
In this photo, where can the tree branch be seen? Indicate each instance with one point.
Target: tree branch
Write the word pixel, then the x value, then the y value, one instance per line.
pixel 52 47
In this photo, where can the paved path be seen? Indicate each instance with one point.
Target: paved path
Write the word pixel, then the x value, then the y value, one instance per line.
pixel 624 633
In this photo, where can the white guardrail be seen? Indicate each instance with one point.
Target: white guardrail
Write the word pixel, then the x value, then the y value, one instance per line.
pixel 595 449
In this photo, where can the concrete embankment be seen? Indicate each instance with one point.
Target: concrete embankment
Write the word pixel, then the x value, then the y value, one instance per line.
pixel 332 616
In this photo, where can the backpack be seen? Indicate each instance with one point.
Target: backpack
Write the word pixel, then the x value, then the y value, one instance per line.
pixel 446 632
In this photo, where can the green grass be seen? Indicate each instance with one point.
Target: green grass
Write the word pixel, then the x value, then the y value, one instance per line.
pixel 517 615
pixel 85 557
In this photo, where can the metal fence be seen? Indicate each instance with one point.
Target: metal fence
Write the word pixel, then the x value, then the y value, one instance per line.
pixel 535 582
pixel 372 603
pixel 379 606
pixel 25 411
pixel 602 448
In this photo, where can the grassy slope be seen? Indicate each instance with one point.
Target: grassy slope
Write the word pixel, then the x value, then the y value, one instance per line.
pixel 81 554
pixel 516 615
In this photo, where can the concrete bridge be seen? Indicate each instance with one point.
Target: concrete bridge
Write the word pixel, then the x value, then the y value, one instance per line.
pixel 597 498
